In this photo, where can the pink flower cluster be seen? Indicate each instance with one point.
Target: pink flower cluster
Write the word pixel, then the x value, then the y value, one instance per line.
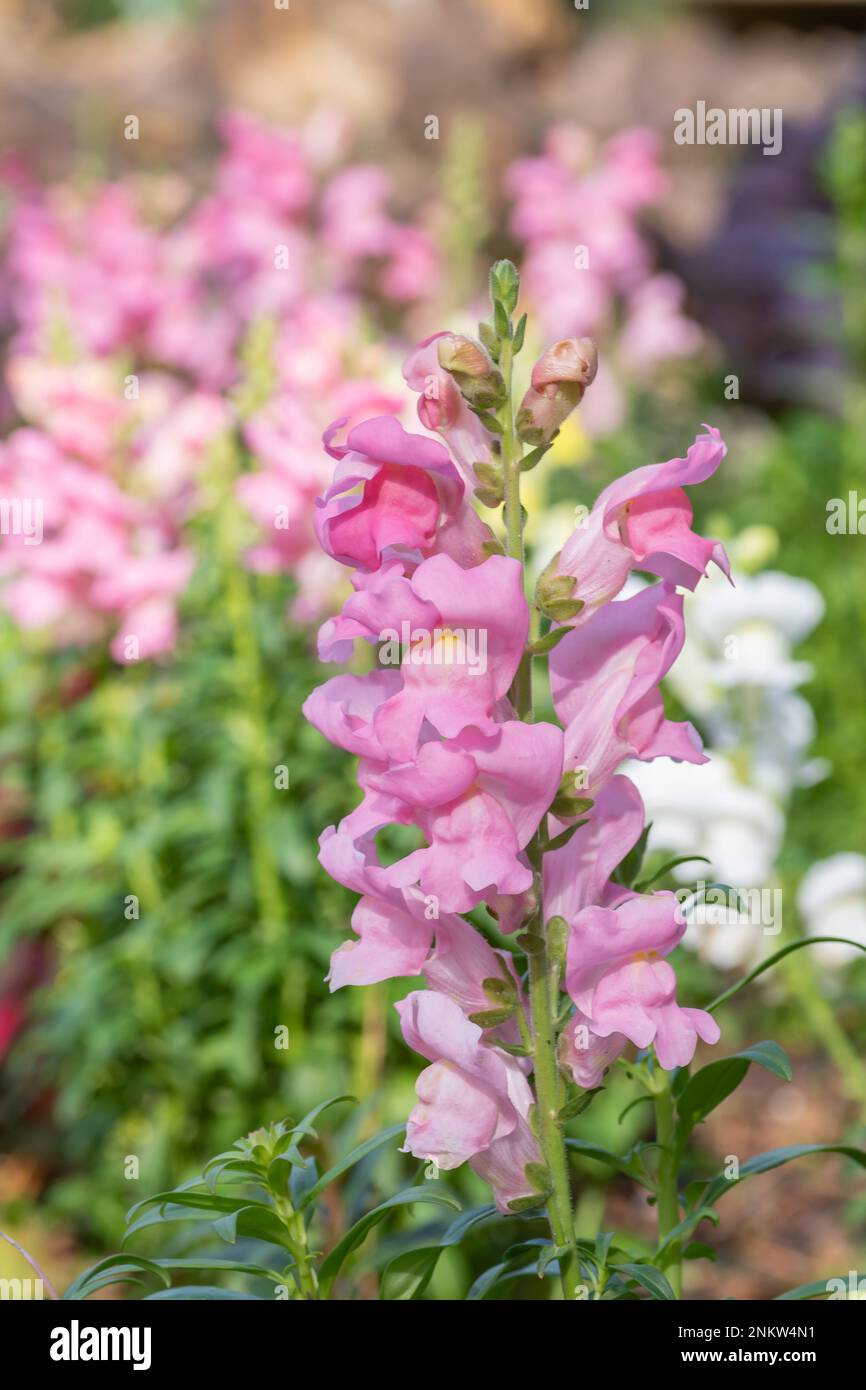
pixel 134 314
pixel 441 749
pixel 587 266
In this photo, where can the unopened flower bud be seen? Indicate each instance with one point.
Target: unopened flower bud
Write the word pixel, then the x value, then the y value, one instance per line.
pixel 505 284
pixel 559 379
pixel 470 365
pixel 570 361
pixel 457 353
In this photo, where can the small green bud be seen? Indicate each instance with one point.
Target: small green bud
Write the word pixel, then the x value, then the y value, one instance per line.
pixel 505 285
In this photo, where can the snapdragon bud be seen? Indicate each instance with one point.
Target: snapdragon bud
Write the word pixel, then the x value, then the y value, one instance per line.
pixel 470 365
pixel 559 379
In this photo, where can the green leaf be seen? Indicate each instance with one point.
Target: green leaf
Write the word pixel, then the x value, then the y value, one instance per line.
pixel 666 868
pixel 578 1104
pixel 463 1224
pixel 305 1125
pixel 628 869
pixel 487 1281
pixel 202 1293
pixel 408 1274
pixel 649 1278
pixel 207 1262
pixel 638 1100
pixel 697 1250
pixel 253 1219
pixel 115 1269
pixel 773 960
pixel 519 335
pixel 201 1201
pixel 377 1141
pixel 333 1262
pixel 668 1247
pixel 629 1163
pixel 774 1158
pixel 817 1289
pixel 716 1081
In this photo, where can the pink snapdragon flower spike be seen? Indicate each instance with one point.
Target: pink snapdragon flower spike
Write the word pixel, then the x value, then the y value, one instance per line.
pixel 605 683
pixel 643 521
pixel 621 984
pixel 473 1101
pixel 406 483
pixel 530 821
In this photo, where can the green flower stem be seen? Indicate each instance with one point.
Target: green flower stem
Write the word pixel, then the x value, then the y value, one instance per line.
pixel 548 1085
pixel 668 1199
pixel 248 681
pixel 296 1231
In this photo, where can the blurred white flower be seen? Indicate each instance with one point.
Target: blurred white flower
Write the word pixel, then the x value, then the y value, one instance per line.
pixel 832 902
pixel 723 936
pixel 744 636
pixel 706 810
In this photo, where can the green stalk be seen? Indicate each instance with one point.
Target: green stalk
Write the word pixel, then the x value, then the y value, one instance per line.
pixel 548 1084
pixel 668 1198
pixel 248 682
pixel 296 1230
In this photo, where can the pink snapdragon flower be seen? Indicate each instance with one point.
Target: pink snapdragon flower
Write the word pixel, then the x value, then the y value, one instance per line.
pixel 473 1101
pixel 471 655
pixel 442 409
pixel 643 521
pixel 406 485
pixel 605 683
pixel 478 802
pixel 621 983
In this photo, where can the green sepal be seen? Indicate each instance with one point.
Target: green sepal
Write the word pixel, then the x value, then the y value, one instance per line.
pixel 542 645
pixel 500 989
pixel 556 932
pixel 530 943
pixel 492 1018
pixel 562 838
pixel 578 1104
